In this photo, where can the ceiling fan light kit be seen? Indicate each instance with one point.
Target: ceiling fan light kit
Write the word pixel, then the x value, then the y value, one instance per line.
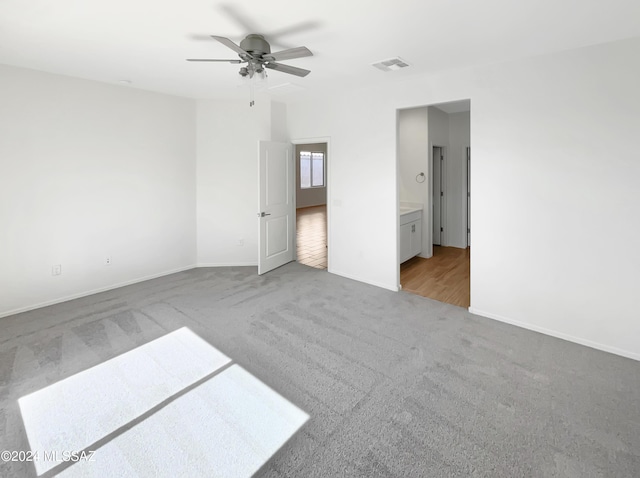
pixel 255 51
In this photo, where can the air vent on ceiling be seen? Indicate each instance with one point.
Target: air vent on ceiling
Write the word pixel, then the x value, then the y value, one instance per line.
pixel 392 64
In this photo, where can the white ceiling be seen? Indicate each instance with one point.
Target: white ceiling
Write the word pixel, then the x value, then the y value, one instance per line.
pixel 146 41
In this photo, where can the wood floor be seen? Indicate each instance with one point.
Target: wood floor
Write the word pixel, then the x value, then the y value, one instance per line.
pixel 311 227
pixel 443 277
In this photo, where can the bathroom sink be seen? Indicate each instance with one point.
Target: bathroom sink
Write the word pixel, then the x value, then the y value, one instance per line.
pixel 408 209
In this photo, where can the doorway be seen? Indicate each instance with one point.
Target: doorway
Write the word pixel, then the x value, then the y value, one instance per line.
pixel 311 188
pixel 434 141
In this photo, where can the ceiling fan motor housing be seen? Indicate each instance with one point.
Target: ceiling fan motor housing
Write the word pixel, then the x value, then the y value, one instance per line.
pixel 256 45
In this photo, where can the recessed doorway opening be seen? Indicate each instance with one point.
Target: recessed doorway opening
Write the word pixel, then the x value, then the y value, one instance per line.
pixel 311 204
pixel 434 178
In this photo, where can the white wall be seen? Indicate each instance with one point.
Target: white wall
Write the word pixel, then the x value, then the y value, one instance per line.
pixel 555 161
pixel 227 177
pixel 310 196
pixel 413 153
pixel 89 170
pixel 438 128
pixel 555 165
pixel 363 204
pixel 413 159
pixel 279 127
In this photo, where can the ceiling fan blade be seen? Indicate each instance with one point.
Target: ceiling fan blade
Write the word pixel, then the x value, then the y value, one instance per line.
pixel 229 44
pixel 289 54
pixel 208 59
pixel 237 15
pixel 299 28
pixel 292 70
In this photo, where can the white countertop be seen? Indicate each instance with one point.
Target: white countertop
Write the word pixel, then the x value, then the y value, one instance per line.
pixel 409 207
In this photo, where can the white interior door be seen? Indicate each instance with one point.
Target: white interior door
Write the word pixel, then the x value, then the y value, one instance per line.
pixel 277 213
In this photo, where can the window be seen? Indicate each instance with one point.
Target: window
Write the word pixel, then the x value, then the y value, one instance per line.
pixel 311 169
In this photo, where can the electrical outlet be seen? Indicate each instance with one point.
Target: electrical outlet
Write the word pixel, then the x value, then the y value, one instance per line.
pixel 107 261
pixel 56 270
pixel 240 242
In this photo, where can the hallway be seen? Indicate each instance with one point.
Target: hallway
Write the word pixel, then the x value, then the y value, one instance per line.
pixel 443 277
pixel 311 236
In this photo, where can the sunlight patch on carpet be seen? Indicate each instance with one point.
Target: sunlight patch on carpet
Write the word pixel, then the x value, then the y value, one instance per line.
pixel 146 413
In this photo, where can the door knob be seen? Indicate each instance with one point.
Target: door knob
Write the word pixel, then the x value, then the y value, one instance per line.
pixel 263 214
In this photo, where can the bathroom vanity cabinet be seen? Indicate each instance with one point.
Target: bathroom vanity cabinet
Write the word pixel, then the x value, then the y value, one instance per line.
pixel 410 233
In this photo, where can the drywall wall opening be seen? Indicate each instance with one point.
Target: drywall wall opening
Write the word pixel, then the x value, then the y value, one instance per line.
pixel 311 186
pixel 434 140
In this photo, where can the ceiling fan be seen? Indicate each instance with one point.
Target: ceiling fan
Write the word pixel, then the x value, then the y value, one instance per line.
pixel 255 51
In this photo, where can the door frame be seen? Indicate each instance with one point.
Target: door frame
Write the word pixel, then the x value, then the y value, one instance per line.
pixel 329 181
pixel 442 189
pixel 468 202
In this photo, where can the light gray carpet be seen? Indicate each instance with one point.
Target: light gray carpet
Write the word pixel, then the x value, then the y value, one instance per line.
pixel 396 384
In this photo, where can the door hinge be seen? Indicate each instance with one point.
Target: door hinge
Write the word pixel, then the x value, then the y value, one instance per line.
pixel 441 193
pixel 468 231
pixel 441 158
pixel 442 229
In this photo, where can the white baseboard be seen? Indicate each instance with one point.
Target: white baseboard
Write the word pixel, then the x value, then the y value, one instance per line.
pixel 93 291
pixel 559 335
pixel 59 300
pixel 227 264
pixel 393 288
